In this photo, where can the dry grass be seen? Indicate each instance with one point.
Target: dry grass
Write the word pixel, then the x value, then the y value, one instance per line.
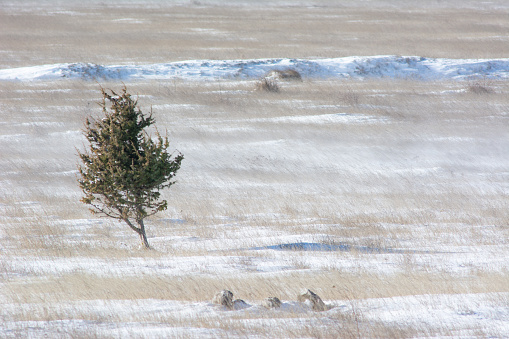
pixel 267 85
pixel 330 285
pixel 423 118
pixel 407 164
pixel 480 86
pixel 170 33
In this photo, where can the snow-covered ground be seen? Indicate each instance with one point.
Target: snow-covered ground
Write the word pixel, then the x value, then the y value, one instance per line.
pixel 457 316
pixel 395 220
pixel 380 182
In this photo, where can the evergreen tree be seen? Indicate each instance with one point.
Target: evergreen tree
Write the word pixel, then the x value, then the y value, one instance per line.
pixel 123 170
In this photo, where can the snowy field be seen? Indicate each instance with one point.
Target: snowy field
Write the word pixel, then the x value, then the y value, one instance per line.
pixel 380 181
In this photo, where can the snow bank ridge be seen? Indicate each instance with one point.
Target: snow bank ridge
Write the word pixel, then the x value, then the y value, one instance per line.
pixel 410 67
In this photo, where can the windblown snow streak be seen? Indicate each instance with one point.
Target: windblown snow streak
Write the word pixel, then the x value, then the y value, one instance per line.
pixel 350 67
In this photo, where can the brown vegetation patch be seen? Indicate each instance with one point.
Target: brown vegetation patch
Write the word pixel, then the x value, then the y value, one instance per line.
pixel 286 74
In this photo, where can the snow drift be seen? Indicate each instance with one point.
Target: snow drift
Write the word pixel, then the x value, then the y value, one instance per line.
pixel 410 67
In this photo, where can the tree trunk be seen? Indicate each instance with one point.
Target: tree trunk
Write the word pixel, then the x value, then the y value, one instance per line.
pixel 140 231
pixel 143 235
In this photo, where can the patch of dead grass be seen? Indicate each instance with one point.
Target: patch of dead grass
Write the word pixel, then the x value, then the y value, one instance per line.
pixel 330 285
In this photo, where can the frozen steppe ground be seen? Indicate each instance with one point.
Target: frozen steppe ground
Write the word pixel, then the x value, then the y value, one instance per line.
pixel 380 182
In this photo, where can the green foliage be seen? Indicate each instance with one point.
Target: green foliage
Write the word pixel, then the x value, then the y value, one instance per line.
pixel 124 169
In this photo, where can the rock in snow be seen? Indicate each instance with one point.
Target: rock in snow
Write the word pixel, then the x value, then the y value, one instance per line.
pixel 224 298
pixel 316 302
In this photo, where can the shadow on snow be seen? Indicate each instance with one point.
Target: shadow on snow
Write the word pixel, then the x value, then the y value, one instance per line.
pixel 342 247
